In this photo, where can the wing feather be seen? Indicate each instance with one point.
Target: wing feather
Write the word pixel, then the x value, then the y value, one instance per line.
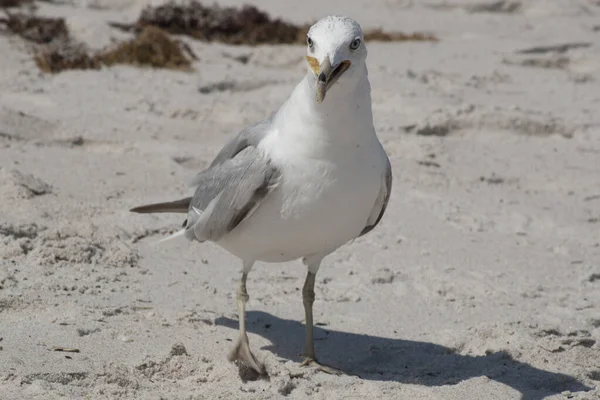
pixel 229 192
pixel 382 200
pixel 234 185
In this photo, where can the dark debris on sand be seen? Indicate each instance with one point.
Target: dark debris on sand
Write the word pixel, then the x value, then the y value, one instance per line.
pixel 377 35
pixel 246 25
pixel 152 48
pixel 65 54
pixel 14 3
pixel 55 50
pixel 38 30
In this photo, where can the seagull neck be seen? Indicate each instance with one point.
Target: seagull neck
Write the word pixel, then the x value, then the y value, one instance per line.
pixel 345 99
pixel 345 114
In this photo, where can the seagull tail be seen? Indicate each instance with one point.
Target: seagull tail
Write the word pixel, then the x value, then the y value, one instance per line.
pixel 178 206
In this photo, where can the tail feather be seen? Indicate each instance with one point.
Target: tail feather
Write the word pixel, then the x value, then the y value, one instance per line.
pixel 178 206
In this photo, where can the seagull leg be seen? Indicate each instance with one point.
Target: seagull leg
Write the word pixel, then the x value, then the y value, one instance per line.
pixel 241 352
pixel 308 298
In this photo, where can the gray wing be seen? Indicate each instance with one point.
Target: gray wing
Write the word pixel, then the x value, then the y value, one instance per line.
pixel 228 192
pixel 382 200
pixel 249 137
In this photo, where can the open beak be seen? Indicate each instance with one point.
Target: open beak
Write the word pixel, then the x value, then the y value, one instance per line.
pixel 327 75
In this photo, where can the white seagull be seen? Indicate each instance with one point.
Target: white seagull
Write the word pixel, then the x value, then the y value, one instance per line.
pixel 301 183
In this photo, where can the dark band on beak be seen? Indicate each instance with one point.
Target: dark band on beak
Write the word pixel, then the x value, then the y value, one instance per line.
pixel 328 76
pixel 325 69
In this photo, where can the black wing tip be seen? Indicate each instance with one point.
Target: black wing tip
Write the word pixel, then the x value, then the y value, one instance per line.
pixel 178 206
pixel 140 209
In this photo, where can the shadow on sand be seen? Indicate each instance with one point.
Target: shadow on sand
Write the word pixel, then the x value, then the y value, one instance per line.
pixel 405 361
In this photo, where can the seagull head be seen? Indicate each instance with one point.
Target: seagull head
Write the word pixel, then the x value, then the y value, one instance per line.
pixel 335 49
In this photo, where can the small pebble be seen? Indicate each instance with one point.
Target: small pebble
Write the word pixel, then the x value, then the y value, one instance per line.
pixel 178 349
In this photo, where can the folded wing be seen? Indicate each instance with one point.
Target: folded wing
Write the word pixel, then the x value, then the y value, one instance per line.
pixel 382 200
pixel 240 177
pixel 228 193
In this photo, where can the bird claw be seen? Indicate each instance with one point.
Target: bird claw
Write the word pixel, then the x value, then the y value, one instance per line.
pixel 309 362
pixel 242 354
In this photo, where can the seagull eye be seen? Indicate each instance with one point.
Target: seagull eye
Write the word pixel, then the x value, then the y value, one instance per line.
pixel 355 44
pixel 310 42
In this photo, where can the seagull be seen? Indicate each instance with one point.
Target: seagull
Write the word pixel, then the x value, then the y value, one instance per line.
pixel 299 184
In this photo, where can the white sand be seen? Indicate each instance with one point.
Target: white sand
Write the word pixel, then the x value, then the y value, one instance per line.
pixel 482 281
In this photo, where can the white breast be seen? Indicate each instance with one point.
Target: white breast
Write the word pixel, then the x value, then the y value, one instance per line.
pixel 320 204
pixel 332 170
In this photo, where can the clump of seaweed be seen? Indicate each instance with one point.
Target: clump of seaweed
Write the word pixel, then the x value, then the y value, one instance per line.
pixel 36 29
pixel 152 47
pixel 378 35
pixel 65 54
pixel 246 25
pixel 14 3
pixel 55 50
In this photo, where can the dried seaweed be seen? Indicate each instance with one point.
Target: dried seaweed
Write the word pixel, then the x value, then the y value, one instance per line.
pixel 37 29
pixel 152 47
pixel 14 3
pixel 502 6
pixel 65 54
pixel 246 25
pixel 378 35
pixel 56 50
pixel 555 48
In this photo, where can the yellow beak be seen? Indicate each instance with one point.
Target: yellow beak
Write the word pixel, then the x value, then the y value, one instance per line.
pixel 326 74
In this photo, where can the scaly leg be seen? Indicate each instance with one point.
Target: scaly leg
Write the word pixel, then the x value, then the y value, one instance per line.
pixel 308 298
pixel 241 352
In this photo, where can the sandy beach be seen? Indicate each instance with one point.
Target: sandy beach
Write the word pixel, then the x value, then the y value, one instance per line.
pixel 481 282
